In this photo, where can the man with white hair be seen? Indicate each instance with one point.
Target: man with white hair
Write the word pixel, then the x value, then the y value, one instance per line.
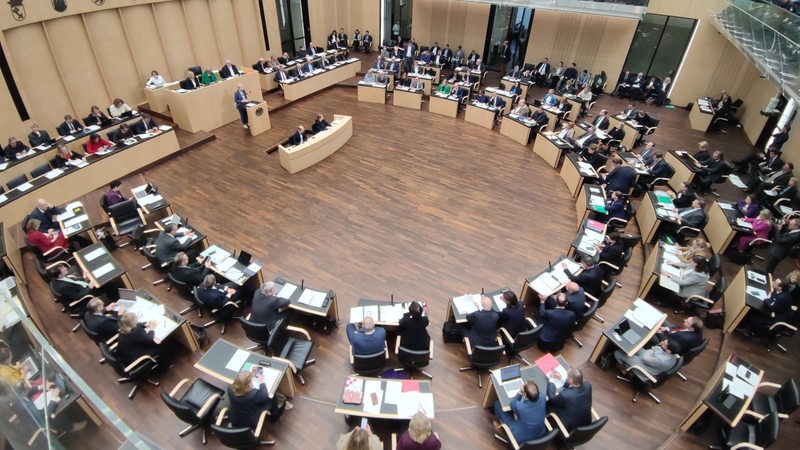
pixel 482 325
pixel 368 339
pixel 268 308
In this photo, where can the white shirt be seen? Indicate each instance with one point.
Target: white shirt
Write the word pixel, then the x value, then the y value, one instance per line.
pixel 156 81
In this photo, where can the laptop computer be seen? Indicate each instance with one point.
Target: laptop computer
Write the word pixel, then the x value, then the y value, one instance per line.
pixel 244 258
pixel 151 189
pixel 511 379
pixel 624 330
pixel 126 115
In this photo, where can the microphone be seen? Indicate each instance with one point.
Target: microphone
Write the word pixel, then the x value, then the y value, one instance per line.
pixel 481 291
pixel 301 284
pixel 392 299
pixel 550 266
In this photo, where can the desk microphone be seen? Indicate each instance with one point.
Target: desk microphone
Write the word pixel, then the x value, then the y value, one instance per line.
pixel 481 291
pixel 550 266
pixel 392 298
pixel 301 284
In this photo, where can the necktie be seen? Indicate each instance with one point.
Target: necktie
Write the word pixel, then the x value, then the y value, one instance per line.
pixel 71 127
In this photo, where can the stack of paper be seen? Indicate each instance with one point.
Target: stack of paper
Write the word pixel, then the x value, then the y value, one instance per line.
pixel 466 304
pixel 287 290
pixel 498 302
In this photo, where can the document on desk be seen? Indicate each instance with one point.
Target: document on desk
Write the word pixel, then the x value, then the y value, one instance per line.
pixel 672 271
pixel 94 254
pixel 667 283
pixel 312 298
pixel 757 293
pixel 670 257
pixel 646 314
pixel 391 313
pixel 757 277
pixel 394 393
pixel 76 220
pixel 215 254
pixel 53 173
pixel 287 290
pixel 498 302
pixel 373 396
pixel 184 239
pixel 24 187
pixel 544 284
pixel 164 327
pixel 740 388
pixel 356 314
pixel 102 270
pixel 727 206
pixel 466 304
pixel 741 222
pixel 226 264
pixel 237 360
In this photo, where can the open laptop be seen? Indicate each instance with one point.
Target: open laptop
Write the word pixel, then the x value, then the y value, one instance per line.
pixel 126 115
pixel 624 330
pixel 511 379
pixel 244 258
pixel 127 299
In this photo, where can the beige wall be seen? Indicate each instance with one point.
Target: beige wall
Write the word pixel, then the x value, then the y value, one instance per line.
pixel 592 42
pixel 327 15
pixel 450 22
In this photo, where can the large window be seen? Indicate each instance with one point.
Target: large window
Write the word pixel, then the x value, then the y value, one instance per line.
pixel 507 23
pixel 293 25
pixel 659 44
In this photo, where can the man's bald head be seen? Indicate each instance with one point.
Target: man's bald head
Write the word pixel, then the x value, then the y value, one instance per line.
pixel 486 303
pixel 369 323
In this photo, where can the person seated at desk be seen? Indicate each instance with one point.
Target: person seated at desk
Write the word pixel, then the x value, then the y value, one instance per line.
pixel 168 245
pixel 118 107
pixel 567 131
pixel 38 136
pixel 45 242
pixel 369 77
pixel 96 117
pixel 710 172
pixel 693 216
pixel 583 142
pixel 647 153
pixel 282 75
pixel 654 360
pixel 550 98
pixel 101 319
pixel 747 207
pixel 599 82
pixel 306 69
pixel 136 340
pixel 69 126
pixel 444 88
pixel 155 80
pixel 575 296
pixel 15 149
pixel 425 57
pixel 590 278
pixel 615 207
pixel 192 274
pixel 527 416
pixel 540 117
pixel 481 326
pixel 688 336
pixel 323 62
pixel 123 133
pixel 96 144
pixel 512 317
pixel 610 251
pixel 586 96
pixel 359 439
pixel 114 194
pixel 403 81
pixel 567 87
pixel 515 74
pixel 320 124
pixel 145 125
pixel 356 44
pixel 65 156
pixel 247 403
pixel 69 287
pixel 47 215
pixel 693 279
pixel 621 178
pixel 393 66
pixel 778 178
pixel 684 197
pixel 419 435
pixel 777 308
pixel 417 85
pixel 228 70
pixel 702 155
pixel 216 295
pixel 367 340
pixel 416 69
pixel 573 402
pixel 771 196
pixel 759 163
pixel 785 239
pixel 191 82
pixel 601 122
pixel 438 59
pixel 629 113
pixel 413 329
pixel 311 50
pixel 268 308
pixel 696 247
pixel 521 110
pixel 299 136
pixel 208 77
pixel 616 133
pixel 558 324
pixel 657 169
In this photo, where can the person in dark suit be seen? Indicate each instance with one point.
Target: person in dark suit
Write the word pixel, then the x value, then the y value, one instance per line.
pixel 311 50
pixel 694 216
pixel 617 133
pixel 780 138
pixel 512 317
pixel 69 126
pixel 97 117
pixel 527 416
pixel 573 402
pixel 710 172
pixel 621 178
pixel 576 298
pixel 191 274
pixel 771 196
pixel 15 149
pixel 299 136
pixel 122 133
pixel 783 243
pixel 191 82
pixel 647 153
pixel 167 243
pixel 610 251
pixel 629 113
pixel 145 125
pixel 590 278
pixel 135 339
pixel 760 163
pixel 593 157
pixel 216 295
pixel 268 308
pixel 481 326
pixel 228 70
pixel 99 321
pixel 240 99
pixel 657 169
pixel 320 124
pixel 261 66
pixel 689 336
pixel 558 324
pixel 413 329
pixel 583 142
pixel 601 121
pixel 779 178
pixel 247 403
pixel 684 197
pixel 366 42
pixel 777 308
pixel 505 58
pixel 541 72
pixel 47 215
pixel 71 288
pixel 65 156
pixel 38 136
pixel 367 340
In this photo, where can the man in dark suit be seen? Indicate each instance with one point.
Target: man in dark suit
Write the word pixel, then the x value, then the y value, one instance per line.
pixel 146 124
pixel 215 295
pixel 583 142
pixel 512 317
pixel 168 245
pixel 191 82
pixel 482 325
pixel 47 216
pixel 413 329
pixel 69 126
pixel 611 251
pixel 71 288
pixel 99 321
pixel 658 169
pixel 122 133
pixel 268 308
pixel 710 172
pixel 505 58
pixel 38 137
pixel 311 50
pixel 393 66
pixel 281 76
pixel 261 66
pixel 601 121
pixel 777 308
pixel 783 243
pixel 590 278
pixel 689 336
pixel 299 136
pixel 367 340
pixel 15 149
pixel 191 274
pixel 780 138
pixel 228 70
pixel 621 178
pixel 629 113
pixel 693 216
pixel 342 37
pixel 558 324
pixel 573 402
pixel 541 72
pixel 366 42
pixel 778 178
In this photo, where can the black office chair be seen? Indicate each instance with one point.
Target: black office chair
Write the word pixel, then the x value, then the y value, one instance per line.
pixel 414 360
pixel 777 330
pixel 369 365
pixel 758 435
pixel 690 354
pixel 540 443
pixel 196 406
pixel 239 437
pixel 74 307
pixel 483 358
pixel 221 315
pixel 608 288
pixel 663 180
pixel 522 341
pixel 642 380
pixel 93 336
pixel 590 308
pixel 136 372
pixel 159 266
pixel 125 216
pixel 16 181
pixel 580 435
pixel 686 232
pixel 706 303
pixel 40 170
pixel 197 70
pixel 784 401
pixel 714 264
pixel 46 259
pixel 295 351
pixel 256 332
pixel 616 223
pixel 185 292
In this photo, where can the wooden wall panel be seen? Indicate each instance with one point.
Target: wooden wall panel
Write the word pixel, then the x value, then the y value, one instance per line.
pixel 225 30
pixel 248 30
pixel 145 41
pixel 114 56
pixel 327 15
pixel 176 43
pixel 449 22
pixel 271 17
pixel 204 41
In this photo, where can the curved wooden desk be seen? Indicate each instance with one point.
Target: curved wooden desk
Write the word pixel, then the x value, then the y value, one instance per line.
pixel 318 147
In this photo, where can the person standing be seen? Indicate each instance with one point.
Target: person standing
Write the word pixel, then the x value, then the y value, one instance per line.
pixel 240 97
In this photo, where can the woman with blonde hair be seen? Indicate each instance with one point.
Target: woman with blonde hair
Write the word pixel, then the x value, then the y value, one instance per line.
pixel 359 439
pixel 135 339
pixel 702 154
pixel 419 435
pixel 248 402
pixel 44 241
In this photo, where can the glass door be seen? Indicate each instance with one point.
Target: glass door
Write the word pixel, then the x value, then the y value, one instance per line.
pixel 396 21
pixel 507 24
pixel 659 45
pixel 293 24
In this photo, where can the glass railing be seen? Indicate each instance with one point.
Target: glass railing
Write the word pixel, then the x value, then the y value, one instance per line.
pixel 769 36
pixel 44 403
pixel 629 9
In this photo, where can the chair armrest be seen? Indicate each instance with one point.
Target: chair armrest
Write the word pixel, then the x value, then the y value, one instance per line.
pixel 54 249
pixel 469 347
pixel 506 335
pixel 57 263
pixel 644 372
pixel 138 361
pixel 759 241
pixel 591 297
pixel 758 416
pixel 430 343
pixel 686 227
pixel 531 322
pixel 397 344
pixel 595 416
pixel 499 342
pixel 114 225
pixel 746 445
pixel 559 424
pixel 617 219
pixel 112 339
pixel 177 387
pixel 780 200
pixel 141 216
pixel 386 350
pixel 394 441
pixel 768 384
pixel 509 436
pixel 261 421
pixel 351 355
pixel 606 263
pixel 660 179
pixel 85 298
pixel 701 298
pixel 151 230
pixel 221 416
pixel 210 402
pixel 299 330
pixel 789 326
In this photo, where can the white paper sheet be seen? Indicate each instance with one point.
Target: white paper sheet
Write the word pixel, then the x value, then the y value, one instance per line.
pixel 102 270
pixel 94 254
pixel 237 360
pixel 287 290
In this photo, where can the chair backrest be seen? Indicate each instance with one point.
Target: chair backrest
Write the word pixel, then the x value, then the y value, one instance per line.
pixel 486 357
pixel 104 203
pixel 584 434
pixel 526 339
pixel 157 265
pixel 692 352
pixel 111 358
pixel 181 409
pixel 588 312
pixel 241 437
pixel 788 397
pixel 16 181
pixel 184 290
pixel 664 376
pixel 124 210
pixel 607 291
pixel 196 70
pixel 719 288
pixel 630 240
pixel 278 337
pixel 40 170
pixel 369 364
pixel 540 443
pixel 413 358
pixel 767 430
pixel 714 264
pixel 256 332
pixel 92 335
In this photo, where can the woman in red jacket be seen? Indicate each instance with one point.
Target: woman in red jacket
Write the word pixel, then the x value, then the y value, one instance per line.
pixel 44 241
pixel 96 143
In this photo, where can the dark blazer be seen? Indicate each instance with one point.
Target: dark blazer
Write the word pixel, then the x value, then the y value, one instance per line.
pixel 686 338
pixel 612 253
pixel 513 319
pixel 684 199
pixel 36 140
pixel 261 67
pixel 659 170
pixel 615 208
pixel 167 246
pixel 191 83
pixel 63 129
pixel 783 244
pixel 591 279
pixel 105 326
pixel 135 344
pixel 142 127
pixel 100 120
pixel 616 134
pixel 414 333
pixel 483 330
pixel 591 139
pixel 46 218
pixel 70 291
pixel 620 179
pixel 192 274
pixel 576 302
pixel 212 297
pixel 277 76
pixel 297 138
pixel 573 405
pixel 266 309
pixel 245 410
pixel 225 72
pixel 693 219
pixel 558 325
pixel 600 123
pixel 11 153
pixel 319 125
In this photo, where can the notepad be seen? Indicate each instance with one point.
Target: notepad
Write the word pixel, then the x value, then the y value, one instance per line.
pixel 757 277
pixel 94 254
pixel 76 220
pixel 287 290
pixel 102 270
pixel 237 360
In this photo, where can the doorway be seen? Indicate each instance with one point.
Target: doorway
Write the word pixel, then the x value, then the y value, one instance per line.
pixel 396 21
pixel 293 24
pixel 507 23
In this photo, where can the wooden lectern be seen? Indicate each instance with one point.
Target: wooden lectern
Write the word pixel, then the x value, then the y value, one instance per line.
pixel 258 118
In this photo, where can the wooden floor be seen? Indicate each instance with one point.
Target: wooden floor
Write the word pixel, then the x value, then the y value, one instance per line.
pixel 419 206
